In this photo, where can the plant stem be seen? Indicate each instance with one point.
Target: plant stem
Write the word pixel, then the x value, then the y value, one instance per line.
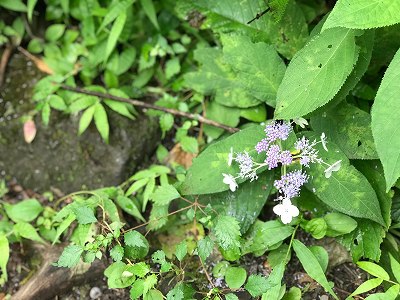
pixel 142 104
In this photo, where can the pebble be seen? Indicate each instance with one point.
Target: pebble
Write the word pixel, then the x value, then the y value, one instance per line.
pixel 95 292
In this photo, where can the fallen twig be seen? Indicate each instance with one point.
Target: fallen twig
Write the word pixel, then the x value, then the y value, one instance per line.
pixel 4 61
pixel 139 103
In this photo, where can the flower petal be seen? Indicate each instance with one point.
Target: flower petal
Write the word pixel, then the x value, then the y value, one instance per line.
pixel 286 219
pixel 279 209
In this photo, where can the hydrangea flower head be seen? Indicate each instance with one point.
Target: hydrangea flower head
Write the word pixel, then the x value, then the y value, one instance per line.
pixel 273 156
pixel 246 164
pixel 290 184
pixel 278 131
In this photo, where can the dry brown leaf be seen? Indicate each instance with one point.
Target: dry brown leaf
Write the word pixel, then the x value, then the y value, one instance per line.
pixel 181 157
pixel 29 131
pixel 39 63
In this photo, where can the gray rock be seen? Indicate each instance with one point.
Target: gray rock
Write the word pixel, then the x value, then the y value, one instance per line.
pixel 58 157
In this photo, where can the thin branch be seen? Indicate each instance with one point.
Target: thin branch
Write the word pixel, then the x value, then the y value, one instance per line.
pixel 259 15
pixel 4 61
pixel 139 103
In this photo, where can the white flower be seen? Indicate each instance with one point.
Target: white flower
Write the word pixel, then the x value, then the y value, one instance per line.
pixel 230 180
pixel 301 122
pixel 323 141
pixel 333 168
pixel 286 210
pixel 230 157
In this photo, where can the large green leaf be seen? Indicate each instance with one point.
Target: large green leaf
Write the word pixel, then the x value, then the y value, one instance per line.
pixel 259 67
pixel 316 73
pixel 364 14
pixel 234 15
pixel 350 128
pixel 347 190
pixel 223 114
pixel 245 204
pixel 215 76
pixel 205 174
pixel 385 122
pixel 25 211
pixel 116 30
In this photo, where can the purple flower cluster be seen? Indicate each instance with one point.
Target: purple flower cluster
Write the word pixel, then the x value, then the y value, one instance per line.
pixel 290 184
pixel 275 156
pixel 278 131
pixel 246 166
pixel 308 153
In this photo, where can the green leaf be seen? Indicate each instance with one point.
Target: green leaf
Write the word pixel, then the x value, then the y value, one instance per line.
pixel 16 5
pixel 46 114
pixel 205 247
pixel 315 66
pixel 149 283
pixel 150 11
pixel 57 102
pixel 114 11
pixel 115 277
pixel 260 70
pixel 115 33
pixel 82 234
pixel 274 283
pixel 181 250
pixel 5 255
pixel 374 269
pixel 256 114
pixel 227 232
pixel 101 121
pixel 158 257
pixel 153 294
pixel 294 293
pixel 321 255
pixel 312 266
pixel 189 144
pixel 256 285
pixel 126 60
pixel 140 269
pixel 350 128
pixel 236 203
pixel 82 103
pixel 339 224
pixel 232 16
pixel 117 253
pixel 231 296
pixel 120 107
pixel 27 231
pixel 70 256
pixel 85 215
pixel 164 195
pixel 31 6
pixel 63 226
pixel 391 294
pixel 35 46
pixel 384 113
pixel 365 240
pixel 347 190
pixel 395 266
pixel 362 14
pixel 139 246
pixel 86 119
pixel 24 211
pixel 54 32
pixel 223 114
pixel 367 286
pixel 137 289
pixel 264 235
pixel 166 123
pixel 172 67
pixel 235 277
pixel 278 8
pixel 205 174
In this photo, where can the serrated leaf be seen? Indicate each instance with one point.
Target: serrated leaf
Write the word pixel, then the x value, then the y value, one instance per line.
pixel 25 211
pixel 278 8
pixel 384 113
pixel 363 14
pixel 84 215
pixel 101 121
pixel 204 247
pixel 367 286
pixel 164 195
pixel 325 61
pixel 172 67
pixel 343 185
pixel 117 253
pixel 259 68
pixel 181 250
pixel 205 174
pixel 256 285
pixel 86 119
pixel 140 269
pixel 116 30
pixel 189 144
pixel 374 269
pixel 135 239
pixel 312 266
pixel 235 277
pixel 350 128
pixel 63 226
pixel 227 232
pixel 70 256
